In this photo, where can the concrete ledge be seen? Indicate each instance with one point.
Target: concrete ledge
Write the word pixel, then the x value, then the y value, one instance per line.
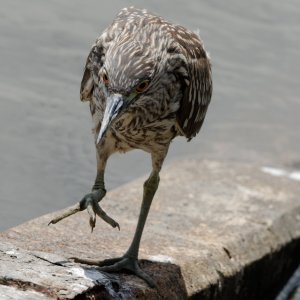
pixel 215 231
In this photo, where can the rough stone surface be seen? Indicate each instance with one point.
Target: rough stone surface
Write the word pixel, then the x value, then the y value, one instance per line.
pixel 215 231
pixel 12 293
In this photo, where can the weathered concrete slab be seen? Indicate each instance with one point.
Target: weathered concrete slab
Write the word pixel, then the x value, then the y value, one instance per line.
pixel 12 293
pixel 215 230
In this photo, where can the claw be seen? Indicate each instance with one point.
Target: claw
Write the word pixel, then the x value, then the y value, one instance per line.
pixel 90 203
pixel 92 217
pixel 118 264
pixel 68 212
pixel 102 214
pixel 126 263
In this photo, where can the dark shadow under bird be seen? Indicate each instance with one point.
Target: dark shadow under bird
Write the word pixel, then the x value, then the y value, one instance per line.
pixel 147 81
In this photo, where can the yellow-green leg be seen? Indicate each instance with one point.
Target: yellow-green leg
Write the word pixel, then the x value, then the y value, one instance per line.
pixel 130 259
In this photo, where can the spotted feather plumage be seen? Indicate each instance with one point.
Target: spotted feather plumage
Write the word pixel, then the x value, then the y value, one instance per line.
pixel 141 45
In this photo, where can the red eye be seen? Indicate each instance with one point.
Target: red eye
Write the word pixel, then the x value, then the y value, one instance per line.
pixel 142 87
pixel 105 79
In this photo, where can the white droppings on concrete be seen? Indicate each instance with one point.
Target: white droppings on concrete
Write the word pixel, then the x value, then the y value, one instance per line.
pixel 161 258
pixel 11 252
pixel 95 276
pixel 90 274
pixel 274 171
pixel 78 272
pixel 294 175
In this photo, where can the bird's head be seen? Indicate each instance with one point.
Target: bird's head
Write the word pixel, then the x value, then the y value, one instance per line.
pixel 133 71
pixel 117 101
pixel 126 75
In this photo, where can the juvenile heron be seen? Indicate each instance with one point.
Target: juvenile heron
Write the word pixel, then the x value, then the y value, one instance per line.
pixel 147 81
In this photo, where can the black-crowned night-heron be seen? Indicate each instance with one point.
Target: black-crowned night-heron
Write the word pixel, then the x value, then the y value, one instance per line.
pixel 147 82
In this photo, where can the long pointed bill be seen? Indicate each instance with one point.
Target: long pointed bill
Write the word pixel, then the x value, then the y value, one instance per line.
pixel 114 104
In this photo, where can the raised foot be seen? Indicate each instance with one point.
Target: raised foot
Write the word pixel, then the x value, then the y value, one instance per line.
pixel 118 264
pixel 90 203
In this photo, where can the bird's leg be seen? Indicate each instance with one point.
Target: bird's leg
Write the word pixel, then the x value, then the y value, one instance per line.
pixel 130 259
pixel 90 203
pixel 150 187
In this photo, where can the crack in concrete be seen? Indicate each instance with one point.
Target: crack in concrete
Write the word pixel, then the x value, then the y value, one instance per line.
pixel 59 263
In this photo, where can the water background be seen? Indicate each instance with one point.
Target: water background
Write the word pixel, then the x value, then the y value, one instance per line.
pixel 47 159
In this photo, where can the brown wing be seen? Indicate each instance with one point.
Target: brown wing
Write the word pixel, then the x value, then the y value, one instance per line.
pixel 93 64
pixel 197 88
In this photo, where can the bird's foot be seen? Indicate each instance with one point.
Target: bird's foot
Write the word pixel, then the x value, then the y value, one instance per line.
pixel 118 264
pixel 90 203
